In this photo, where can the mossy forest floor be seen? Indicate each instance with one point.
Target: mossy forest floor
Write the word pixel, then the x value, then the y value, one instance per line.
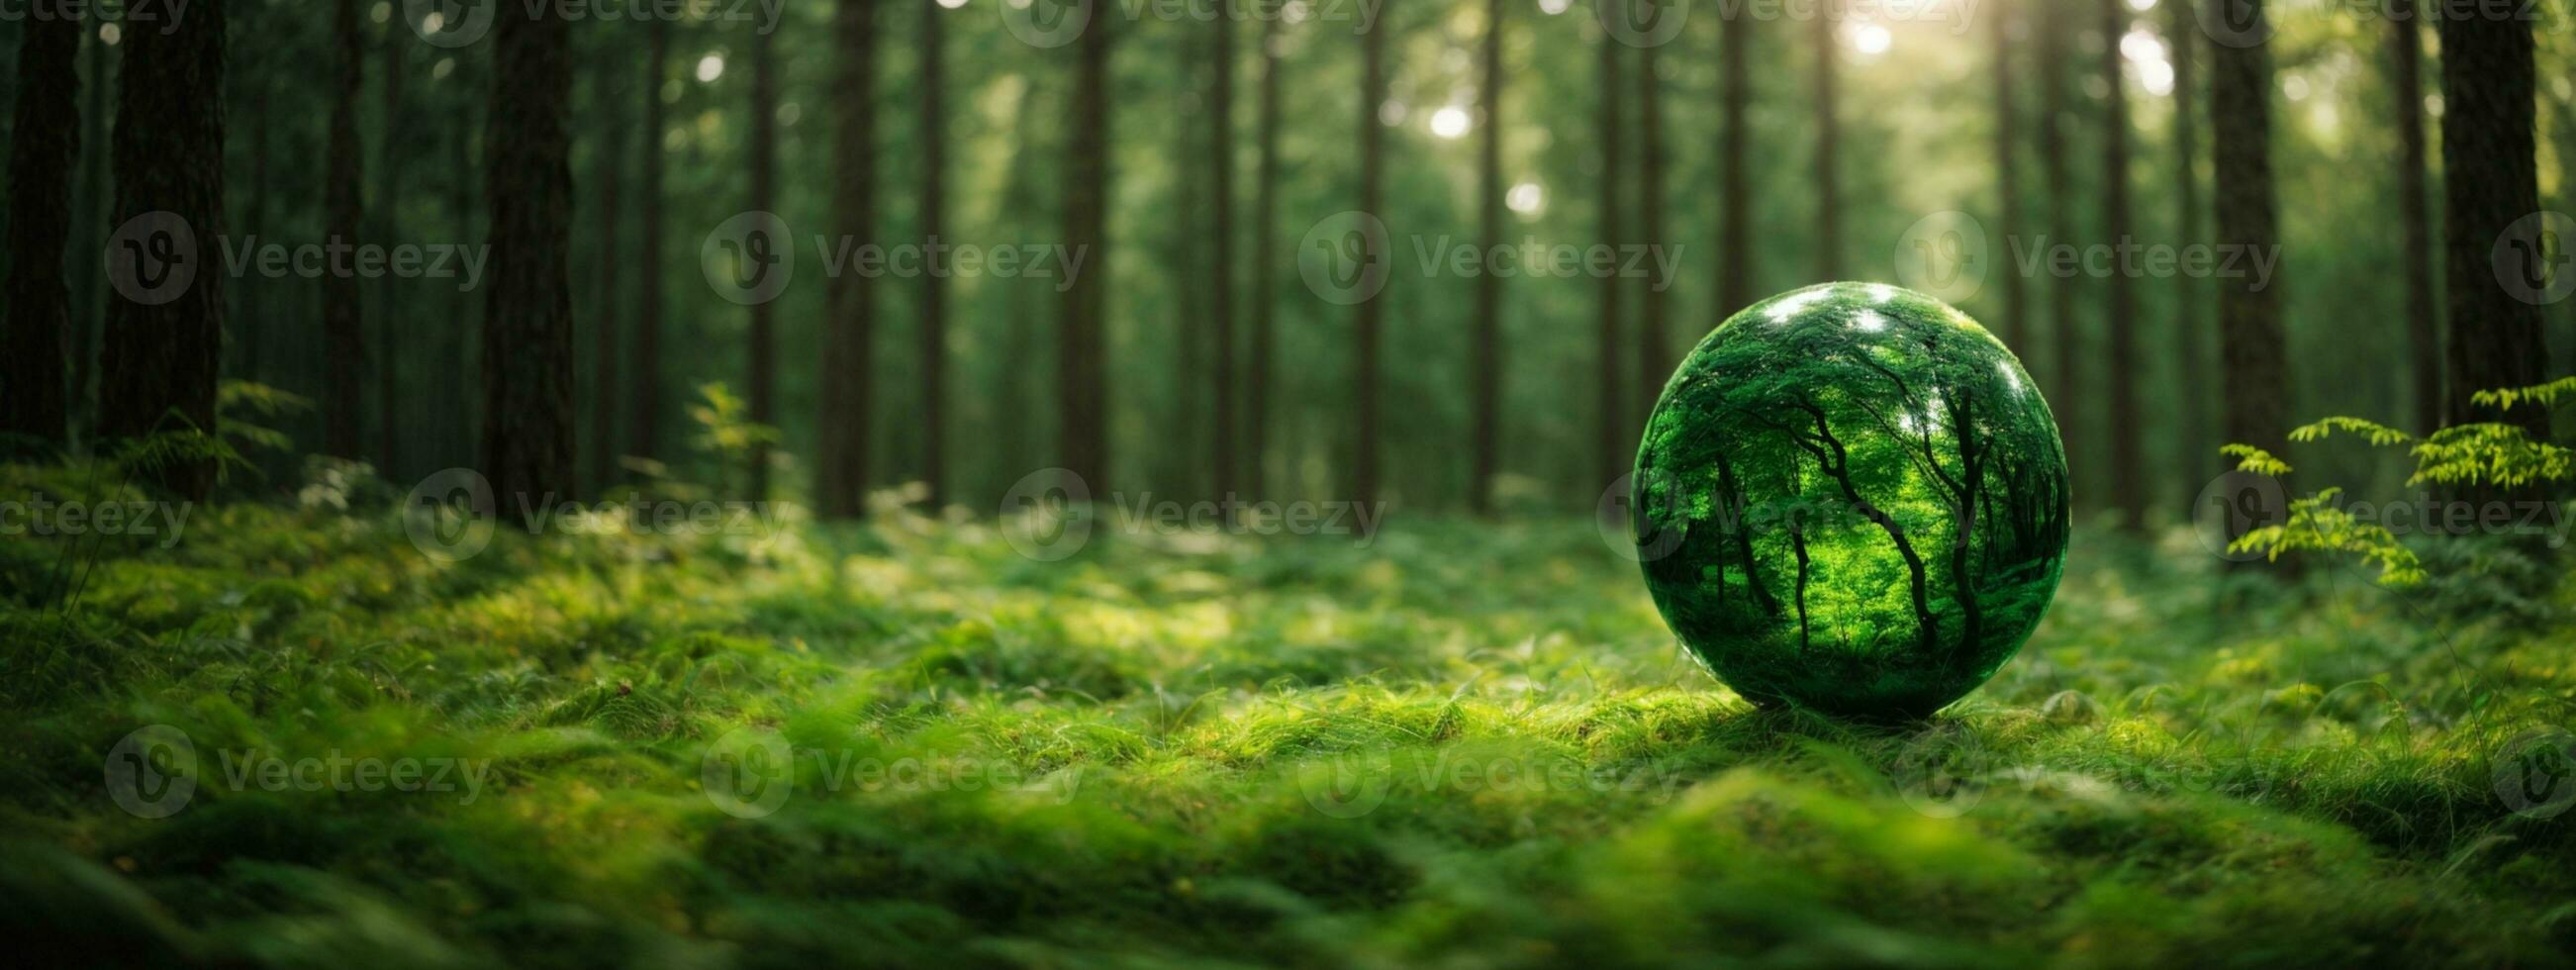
pixel 1463 744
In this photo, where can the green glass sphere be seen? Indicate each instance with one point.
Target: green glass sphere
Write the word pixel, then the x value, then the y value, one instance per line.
pixel 1851 499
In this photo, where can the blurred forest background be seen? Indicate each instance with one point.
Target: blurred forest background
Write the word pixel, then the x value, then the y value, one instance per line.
pixel 1755 147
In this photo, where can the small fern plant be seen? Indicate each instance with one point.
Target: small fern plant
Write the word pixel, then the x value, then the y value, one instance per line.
pixel 2477 454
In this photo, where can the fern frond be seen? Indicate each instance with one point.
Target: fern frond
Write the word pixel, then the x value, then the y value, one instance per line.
pixel 2255 460
pixel 2379 435
pixel 2545 395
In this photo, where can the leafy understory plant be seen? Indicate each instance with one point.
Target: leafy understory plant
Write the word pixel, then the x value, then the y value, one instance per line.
pixel 2489 454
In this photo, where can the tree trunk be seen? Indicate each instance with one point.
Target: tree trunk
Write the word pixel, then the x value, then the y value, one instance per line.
pixel 1364 331
pixel 849 335
pixel 527 312
pixel 1617 453
pixel 2254 366
pixel 159 358
pixel 2491 181
pixel 1082 352
pixel 933 305
pixel 390 443
pixel 44 140
pixel 1487 435
pixel 2191 331
pixel 1828 174
pixel 2423 327
pixel 1654 344
pixel 1735 192
pixel 89 219
pixel 762 387
pixel 2008 180
pixel 1221 253
pixel 1265 261
pixel 2059 186
pixel 2128 459
pixel 611 154
pixel 343 346
pixel 644 420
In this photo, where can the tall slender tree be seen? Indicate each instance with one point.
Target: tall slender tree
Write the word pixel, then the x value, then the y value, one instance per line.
pixel 644 417
pixel 2191 332
pixel 1828 174
pixel 1082 389
pixel 343 345
pixel 1221 349
pixel 1265 264
pixel 1367 320
pixel 1487 392
pixel 90 202
pixel 44 139
pixel 2057 182
pixel 2008 176
pixel 1735 193
pixel 763 336
pixel 1610 406
pixel 2253 358
pixel 2491 181
pixel 932 198
pixel 609 174
pixel 1654 342
pixel 527 449
pixel 159 356
pixel 2128 460
pixel 849 329
pixel 2414 213
pixel 390 154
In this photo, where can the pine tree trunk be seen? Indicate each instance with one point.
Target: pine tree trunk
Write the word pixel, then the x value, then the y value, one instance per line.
pixel 849 336
pixel 1265 261
pixel 1828 174
pixel 1609 414
pixel 1221 349
pixel 2191 330
pixel 159 359
pixel 2055 181
pixel 1486 439
pixel 2128 460
pixel 1654 343
pixel 2254 365
pixel 390 442
pixel 1081 352
pixel 1735 289
pixel 35 333
pixel 933 306
pixel 2008 181
pixel 343 345
pixel 2423 326
pixel 2490 178
pixel 89 219
pixel 611 90
pixel 644 417
pixel 763 336
pixel 1365 329
pixel 527 449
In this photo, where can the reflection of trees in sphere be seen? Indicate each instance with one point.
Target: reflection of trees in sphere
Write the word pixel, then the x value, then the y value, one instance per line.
pixel 1859 500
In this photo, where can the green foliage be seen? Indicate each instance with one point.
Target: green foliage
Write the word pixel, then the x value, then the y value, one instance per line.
pixel 2473 455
